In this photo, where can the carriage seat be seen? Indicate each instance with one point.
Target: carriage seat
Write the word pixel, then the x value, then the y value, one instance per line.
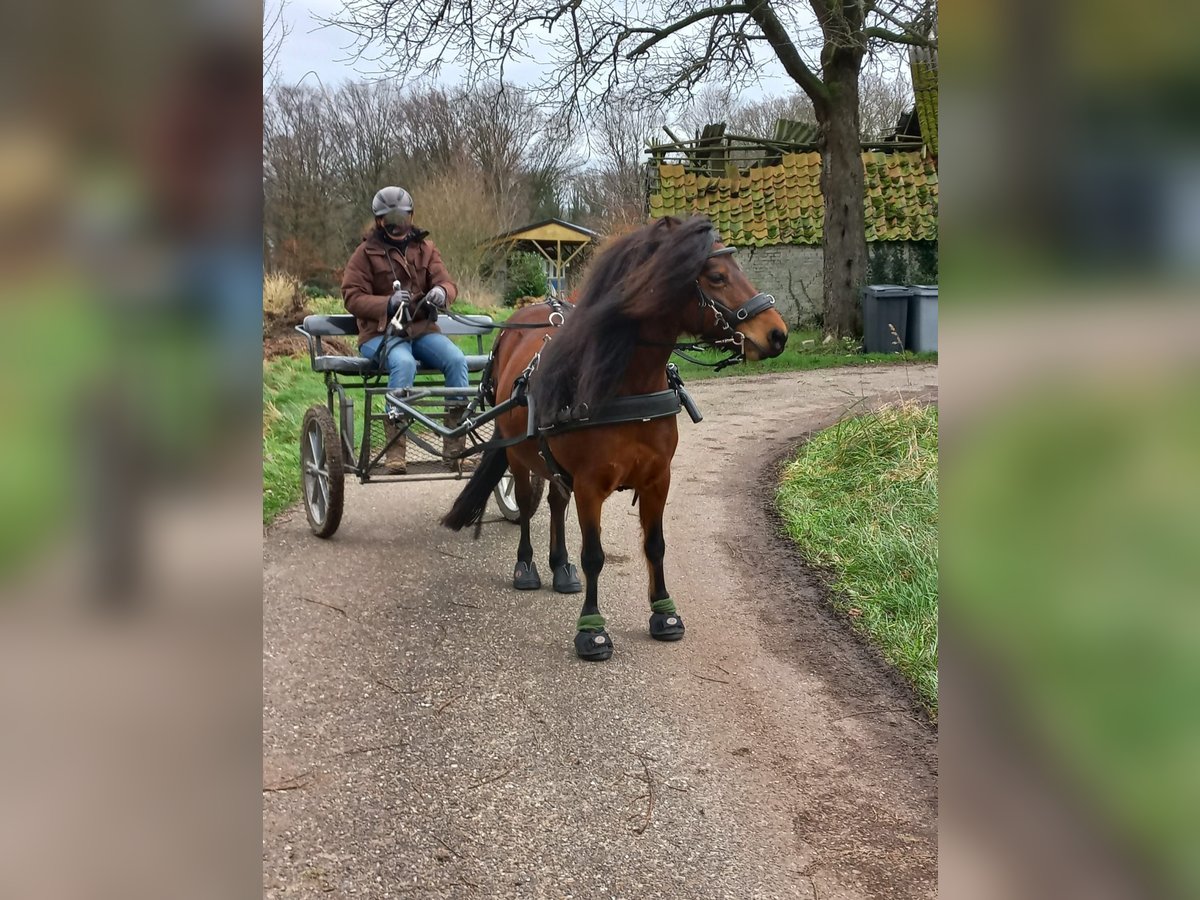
pixel 345 326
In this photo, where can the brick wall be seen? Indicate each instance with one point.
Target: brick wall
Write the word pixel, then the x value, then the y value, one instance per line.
pixel 792 272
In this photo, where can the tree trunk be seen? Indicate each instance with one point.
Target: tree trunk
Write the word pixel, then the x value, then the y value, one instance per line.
pixel 845 246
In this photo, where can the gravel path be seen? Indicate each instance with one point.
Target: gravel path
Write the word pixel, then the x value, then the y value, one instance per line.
pixel 428 731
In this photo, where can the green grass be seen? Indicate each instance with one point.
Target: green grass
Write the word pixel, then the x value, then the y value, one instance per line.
pixel 804 352
pixel 289 388
pixel 861 498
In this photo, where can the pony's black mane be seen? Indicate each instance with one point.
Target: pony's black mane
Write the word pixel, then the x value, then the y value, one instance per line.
pixel 641 277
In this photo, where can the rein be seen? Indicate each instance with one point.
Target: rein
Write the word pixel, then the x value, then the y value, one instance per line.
pixel 559 309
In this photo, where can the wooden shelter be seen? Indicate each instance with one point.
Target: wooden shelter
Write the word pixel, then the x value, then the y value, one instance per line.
pixel 558 242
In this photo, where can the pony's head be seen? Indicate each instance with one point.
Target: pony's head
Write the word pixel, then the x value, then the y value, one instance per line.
pixel 735 314
pixel 686 269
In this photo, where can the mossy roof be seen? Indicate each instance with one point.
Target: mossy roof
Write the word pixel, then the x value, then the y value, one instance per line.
pixel 925 93
pixel 782 204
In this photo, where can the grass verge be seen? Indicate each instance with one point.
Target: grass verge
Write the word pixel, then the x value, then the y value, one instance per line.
pixel 289 388
pixel 862 499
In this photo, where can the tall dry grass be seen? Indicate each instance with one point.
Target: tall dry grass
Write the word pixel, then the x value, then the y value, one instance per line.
pixel 281 295
pixel 460 215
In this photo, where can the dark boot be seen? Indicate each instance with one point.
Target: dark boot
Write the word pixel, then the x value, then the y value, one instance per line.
pixel 393 462
pixel 451 447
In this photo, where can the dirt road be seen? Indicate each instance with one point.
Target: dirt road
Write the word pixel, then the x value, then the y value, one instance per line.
pixel 428 731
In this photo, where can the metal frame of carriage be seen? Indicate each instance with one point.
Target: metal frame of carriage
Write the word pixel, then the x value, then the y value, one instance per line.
pixel 419 411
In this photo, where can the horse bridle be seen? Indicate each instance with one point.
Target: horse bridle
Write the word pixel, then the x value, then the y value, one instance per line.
pixel 728 317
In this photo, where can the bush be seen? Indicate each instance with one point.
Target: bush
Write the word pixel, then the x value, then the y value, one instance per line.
pixel 526 278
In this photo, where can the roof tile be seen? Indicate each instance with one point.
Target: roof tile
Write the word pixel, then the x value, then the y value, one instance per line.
pixel 783 203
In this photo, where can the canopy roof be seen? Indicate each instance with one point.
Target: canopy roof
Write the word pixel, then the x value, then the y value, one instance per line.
pixel 558 242
pixel 548 232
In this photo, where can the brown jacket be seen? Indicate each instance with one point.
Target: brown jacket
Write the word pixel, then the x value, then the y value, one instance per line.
pixel 367 283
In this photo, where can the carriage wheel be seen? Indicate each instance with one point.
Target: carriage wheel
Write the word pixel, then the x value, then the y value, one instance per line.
pixel 322 477
pixel 506 496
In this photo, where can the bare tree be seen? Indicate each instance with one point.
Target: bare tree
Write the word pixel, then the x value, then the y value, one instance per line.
pixel 474 168
pixel 882 100
pixel 612 193
pixel 275 31
pixel 758 119
pixel 711 104
pixel 591 51
pixel 365 131
pixel 301 209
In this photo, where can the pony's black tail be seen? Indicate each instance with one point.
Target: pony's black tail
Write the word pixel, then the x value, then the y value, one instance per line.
pixel 468 508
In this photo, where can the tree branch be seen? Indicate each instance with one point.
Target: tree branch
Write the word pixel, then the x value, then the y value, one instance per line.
pixel 788 55
pixel 917 29
pixel 658 35
pixel 895 38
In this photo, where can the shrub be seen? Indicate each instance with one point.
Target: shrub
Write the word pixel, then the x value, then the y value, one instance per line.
pixel 526 278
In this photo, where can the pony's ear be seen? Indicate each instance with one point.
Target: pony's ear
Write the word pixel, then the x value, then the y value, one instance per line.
pixel 664 277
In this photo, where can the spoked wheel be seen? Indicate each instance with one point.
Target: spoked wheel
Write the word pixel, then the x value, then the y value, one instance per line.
pixel 506 498
pixel 506 495
pixel 322 476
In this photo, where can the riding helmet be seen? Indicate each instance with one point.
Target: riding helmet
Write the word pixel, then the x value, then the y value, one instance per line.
pixel 392 200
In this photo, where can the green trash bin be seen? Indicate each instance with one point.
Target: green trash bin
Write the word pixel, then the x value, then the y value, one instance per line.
pixel 885 307
pixel 922 319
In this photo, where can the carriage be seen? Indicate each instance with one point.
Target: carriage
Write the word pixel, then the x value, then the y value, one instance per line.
pixel 333 444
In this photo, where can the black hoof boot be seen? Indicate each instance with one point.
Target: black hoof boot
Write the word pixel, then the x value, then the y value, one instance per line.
pixel 666 626
pixel 525 577
pixel 594 646
pixel 566 579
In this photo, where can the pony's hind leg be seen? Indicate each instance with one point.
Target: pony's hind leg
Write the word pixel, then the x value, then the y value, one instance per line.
pixel 592 642
pixel 566 576
pixel 525 573
pixel 665 622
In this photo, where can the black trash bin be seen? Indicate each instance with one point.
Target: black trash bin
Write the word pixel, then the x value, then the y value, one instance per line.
pixel 923 319
pixel 885 306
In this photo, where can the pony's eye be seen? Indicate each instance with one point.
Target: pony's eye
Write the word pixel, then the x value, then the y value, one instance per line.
pixel 717 278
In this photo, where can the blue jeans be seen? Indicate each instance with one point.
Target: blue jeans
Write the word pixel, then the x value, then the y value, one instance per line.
pixel 432 349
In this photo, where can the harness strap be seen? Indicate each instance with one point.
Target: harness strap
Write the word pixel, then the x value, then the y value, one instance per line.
pixel 557 472
pixel 760 302
pixel 618 411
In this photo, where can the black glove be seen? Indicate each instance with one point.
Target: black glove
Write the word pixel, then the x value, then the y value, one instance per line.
pixel 436 297
pixel 395 302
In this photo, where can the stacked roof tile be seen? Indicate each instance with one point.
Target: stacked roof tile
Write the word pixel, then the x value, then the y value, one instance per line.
pixel 924 64
pixel 782 204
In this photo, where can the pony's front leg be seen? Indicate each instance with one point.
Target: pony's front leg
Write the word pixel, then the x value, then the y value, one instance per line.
pixel 592 641
pixel 665 622
pixel 525 573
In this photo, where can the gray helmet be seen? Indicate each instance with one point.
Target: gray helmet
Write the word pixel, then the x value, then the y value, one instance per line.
pixel 392 200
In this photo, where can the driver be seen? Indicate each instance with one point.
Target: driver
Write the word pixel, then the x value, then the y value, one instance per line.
pixel 394 250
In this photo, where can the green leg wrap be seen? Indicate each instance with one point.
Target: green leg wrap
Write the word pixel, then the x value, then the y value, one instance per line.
pixel 593 622
pixel 665 605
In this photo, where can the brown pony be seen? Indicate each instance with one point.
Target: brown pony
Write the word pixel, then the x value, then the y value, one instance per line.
pixel 642 292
